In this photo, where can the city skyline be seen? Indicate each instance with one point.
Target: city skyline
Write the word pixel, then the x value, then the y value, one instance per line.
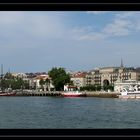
pixel 37 41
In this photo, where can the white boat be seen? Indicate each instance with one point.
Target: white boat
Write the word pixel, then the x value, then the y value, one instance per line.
pixel 72 94
pixel 131 92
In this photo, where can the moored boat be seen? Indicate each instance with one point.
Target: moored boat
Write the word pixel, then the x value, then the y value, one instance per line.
pixel 7 93
pixel 72 94
pixel 72 91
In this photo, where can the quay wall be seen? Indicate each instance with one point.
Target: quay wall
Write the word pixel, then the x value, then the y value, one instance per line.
pixel 103 94
pixel 36 93
pixel 59 93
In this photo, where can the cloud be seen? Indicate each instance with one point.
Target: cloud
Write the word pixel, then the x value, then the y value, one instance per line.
pixel 83 29
pixel 97 12
pixel 29 26
pixel 119 27
pixel 10 18
pixel 23 27
pixel 92 36
pixel 123 24
pixel 126 14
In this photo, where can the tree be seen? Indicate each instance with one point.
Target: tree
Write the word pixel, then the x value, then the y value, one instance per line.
pixel 59 77
pixel 47 82
pixel 91 88
pixel 108 87
pixel 111 87
pixel 15 83
pixel 42 82
pixel 98 87
pixel 8 75
pixel 3 84
pixel 26 85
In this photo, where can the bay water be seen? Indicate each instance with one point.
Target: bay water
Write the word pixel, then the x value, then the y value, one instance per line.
pixel 60 112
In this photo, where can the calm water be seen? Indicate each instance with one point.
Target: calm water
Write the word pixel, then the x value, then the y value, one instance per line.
pixel 59 112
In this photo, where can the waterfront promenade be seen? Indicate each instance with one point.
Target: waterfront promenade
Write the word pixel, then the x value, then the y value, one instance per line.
pixel 59 93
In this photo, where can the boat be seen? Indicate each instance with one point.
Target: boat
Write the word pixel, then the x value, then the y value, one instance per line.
pixel 73 94
pixel 131 92
pixel 72 91
pixel 2 93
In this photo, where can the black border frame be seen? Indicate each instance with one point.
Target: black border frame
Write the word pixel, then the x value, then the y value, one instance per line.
pixel 69 7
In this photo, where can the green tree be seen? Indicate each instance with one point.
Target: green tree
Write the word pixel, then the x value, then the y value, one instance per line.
pixel 42 82
pixel 47 82
pixel 98 87
pixel 26 85
pixel 15 83
pixel 8 76
pixel 111 87
pixel 91 88
pixel 59 77
pixel 108 87
pixel 3 84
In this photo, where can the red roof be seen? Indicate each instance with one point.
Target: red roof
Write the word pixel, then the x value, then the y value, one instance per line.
pixel 79 75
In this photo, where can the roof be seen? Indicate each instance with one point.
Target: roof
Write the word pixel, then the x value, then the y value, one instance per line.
pixel 44 77
pixel 79 75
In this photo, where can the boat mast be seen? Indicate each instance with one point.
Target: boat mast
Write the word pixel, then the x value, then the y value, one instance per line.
pixel 1 76
pixel 2 70
pixel 121 63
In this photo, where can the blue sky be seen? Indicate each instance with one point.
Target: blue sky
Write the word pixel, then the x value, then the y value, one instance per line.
pixel 34 41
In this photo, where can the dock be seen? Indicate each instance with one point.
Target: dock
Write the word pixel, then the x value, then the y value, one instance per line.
pixel 38 93
pixel 59 93
pixel 102 94
pixel 129 96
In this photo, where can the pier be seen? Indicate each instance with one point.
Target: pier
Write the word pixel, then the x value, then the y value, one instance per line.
pixel 59 93
pixel 102 94
pixel 38 93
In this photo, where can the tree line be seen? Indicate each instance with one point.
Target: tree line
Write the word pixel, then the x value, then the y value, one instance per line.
pixel 97 88
pixel 59 78
pixel 9 81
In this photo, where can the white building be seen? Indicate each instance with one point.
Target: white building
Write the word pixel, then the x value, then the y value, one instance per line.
pixel 119 85
pixel 20 75
pixel 70 88
pixel 78 79
pixel 35 82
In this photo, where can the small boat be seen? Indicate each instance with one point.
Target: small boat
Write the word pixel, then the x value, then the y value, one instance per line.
pixel 72 94
pixel 7 93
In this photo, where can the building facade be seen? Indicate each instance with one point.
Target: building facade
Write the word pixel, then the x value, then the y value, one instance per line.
pixel 35 82
pixel 79 79
pixel 108 75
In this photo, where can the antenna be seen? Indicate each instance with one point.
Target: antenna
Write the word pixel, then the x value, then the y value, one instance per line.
pixel 1 77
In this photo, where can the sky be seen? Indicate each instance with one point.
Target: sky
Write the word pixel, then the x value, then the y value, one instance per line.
pixel 36 41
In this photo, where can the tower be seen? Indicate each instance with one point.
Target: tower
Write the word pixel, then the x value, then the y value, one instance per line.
pixel 121 70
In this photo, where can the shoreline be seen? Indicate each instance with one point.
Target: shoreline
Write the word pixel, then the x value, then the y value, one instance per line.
pixel 102 94
pixel 59 93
